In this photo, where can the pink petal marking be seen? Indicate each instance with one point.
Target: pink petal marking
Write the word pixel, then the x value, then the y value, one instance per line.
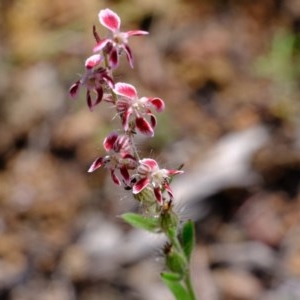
pixel 136 32
pixel 114 58
pixel 151 163
pixel 121 143
pixel 174 172
pixel 158 104
pixel 93 61
pixel 109 141
pixel 98 99
pixel 125 89
pixel 101 45
pixel 73 91
pixel 123 104
pixel 168 189
pixel 158 195
pixel 125 119
pixel 140 185
pixel 152 120
pixel 114 177
pixel 99 92
pixel 124 172
pixel 129 156
pixel 109 81
pixel 89 100
pixel 96 164
pixel 109 19
pixel 144 127
pixel 128 55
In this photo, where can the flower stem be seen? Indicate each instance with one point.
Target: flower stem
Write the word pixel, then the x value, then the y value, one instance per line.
pixel 180 262
pixel 189 286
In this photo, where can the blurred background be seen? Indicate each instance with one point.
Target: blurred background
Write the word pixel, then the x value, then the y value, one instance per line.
pixel 229 73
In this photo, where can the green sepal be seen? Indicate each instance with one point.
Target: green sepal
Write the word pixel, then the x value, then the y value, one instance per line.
pixel 176 263
pixel 188 238
pixel 169 222
pixel 175 286
pixel 151 224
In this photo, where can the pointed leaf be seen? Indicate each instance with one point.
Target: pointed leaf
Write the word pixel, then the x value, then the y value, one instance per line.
pixel 176 287
pixel 188 238
pixel 141 222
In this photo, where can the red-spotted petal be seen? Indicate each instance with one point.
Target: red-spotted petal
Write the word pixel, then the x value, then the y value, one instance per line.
pixel 125 119
pixel 93 61
pixel 99 92
pixel 158 195
pixel 125 89
pixel 73 91
pixel 136 32
pixel 158 104
pixel 114 177
pixel 168 189
pixel 128 55
pixel 109 141
pixel 114 58
pixel 121 143
pixel 140 185
pixel 96 164
pixel 101 45
pixel 151 163
pixel 152 120
pixel 174 172
pixel 98 99
pixel 109 81
pixel 124 172
pixel 109 19
pixel 144 127
pixel 89 100
pixel 129 156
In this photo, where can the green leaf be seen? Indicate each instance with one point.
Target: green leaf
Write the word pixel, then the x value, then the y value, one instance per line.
pixel 171 276
pixel 176 287
pixel 138 221
pixel 188 238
